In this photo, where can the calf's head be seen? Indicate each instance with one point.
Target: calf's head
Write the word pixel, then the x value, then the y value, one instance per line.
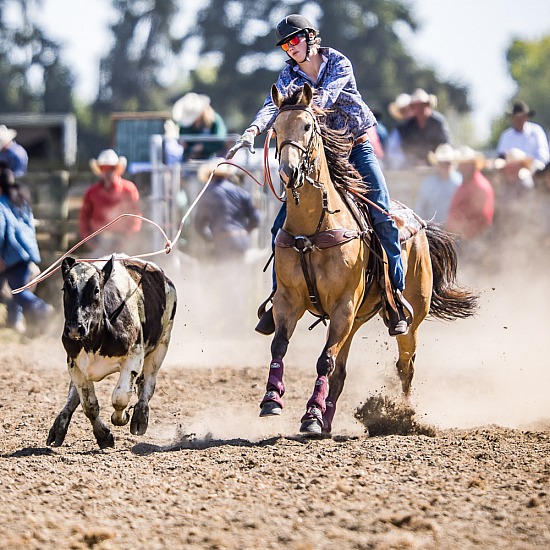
pixel 83 300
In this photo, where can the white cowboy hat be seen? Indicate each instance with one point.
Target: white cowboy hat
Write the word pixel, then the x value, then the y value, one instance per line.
pixel 188 108
pixel 6 135
pixel 514 156
pixel 395 107
pixel 466 154
pixel 444 152
pixel 206 168
pixel 108 158
pixel 422 96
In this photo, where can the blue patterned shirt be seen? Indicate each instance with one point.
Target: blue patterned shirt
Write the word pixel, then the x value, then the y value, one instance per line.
pixel 336 89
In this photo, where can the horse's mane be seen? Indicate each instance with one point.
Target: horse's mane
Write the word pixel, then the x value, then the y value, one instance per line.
pixel 337 144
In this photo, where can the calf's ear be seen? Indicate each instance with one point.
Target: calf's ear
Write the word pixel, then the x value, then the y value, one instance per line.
pixel 108 268
pixel 66 265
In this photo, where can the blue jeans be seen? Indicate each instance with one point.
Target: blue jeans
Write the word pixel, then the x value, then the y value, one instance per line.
pixel 25 302
pixel 363 158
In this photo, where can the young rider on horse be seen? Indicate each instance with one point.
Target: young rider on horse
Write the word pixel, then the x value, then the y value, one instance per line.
pixel 330 74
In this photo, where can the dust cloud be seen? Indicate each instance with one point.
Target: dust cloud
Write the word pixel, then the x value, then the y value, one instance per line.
pixel 489 369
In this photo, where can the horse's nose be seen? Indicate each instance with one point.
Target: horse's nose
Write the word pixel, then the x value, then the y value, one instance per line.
pixel 288 175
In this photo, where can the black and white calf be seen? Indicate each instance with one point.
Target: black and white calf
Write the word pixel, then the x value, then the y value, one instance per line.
pixel 119 315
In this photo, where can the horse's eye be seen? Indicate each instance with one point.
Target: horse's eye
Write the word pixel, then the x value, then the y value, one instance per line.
pixel 308 127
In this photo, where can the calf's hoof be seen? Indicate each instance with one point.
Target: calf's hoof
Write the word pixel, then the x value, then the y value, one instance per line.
pixel 140 420
pixel 270 408
pixel 120 418
pixel 106 441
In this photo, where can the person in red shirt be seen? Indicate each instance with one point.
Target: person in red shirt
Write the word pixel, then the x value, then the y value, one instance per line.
pixel 472 208
pixel 107 199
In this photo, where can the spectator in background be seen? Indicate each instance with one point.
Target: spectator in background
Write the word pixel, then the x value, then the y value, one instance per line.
pixel 225 215
pixel 514 174
pixel 19 250
pixel 437 190
pixel 542 206
pixel 472 208
pixel 107 199
pixel 172 149
pixel 195 116
pixel 400 110
pixel 524 135
pixel 424 130
pixel 12 155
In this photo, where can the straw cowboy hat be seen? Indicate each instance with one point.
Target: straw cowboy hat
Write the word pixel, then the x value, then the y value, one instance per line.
pixel 514 156
pixel 521 108
pixel 224 170
pixel 421 96
pixel 466 155
pixel 6 135
pixel 396 107
pixel 108 158
pixel 188 108
pixel 444 152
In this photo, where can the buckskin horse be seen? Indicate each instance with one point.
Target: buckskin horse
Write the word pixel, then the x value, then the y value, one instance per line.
pixel 323 261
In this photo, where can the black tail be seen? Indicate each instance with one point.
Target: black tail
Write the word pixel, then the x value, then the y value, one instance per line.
pixel 449 301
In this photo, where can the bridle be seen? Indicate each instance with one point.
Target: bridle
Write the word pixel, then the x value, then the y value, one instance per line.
pixel 308 158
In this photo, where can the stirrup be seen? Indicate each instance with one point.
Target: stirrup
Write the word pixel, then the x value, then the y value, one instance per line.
pixel 263 306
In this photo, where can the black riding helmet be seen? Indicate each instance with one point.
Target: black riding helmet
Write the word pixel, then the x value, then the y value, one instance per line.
pixel 292 25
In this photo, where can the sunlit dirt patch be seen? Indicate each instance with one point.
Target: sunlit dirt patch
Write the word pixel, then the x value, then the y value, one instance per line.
pixel 381 415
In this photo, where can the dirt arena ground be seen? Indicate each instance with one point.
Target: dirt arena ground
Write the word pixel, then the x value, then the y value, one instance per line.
pixel 210 474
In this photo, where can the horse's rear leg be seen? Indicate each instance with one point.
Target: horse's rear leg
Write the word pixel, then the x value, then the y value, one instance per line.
pixel 272 403
pixel 59 429
pixel 405 363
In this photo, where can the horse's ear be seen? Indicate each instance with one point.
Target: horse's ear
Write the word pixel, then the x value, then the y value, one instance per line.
pixel 276 96
pixel 66 266
pixel 307 95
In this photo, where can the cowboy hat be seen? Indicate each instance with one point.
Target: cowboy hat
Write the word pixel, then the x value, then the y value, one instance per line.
pixel 514 156
pixel 395 108
pixel 188 108
pixel 520 108
pixel 6 135
pixel 443 153
pixel 206 168
pixel 422 96
pixel 108 158
pixel 466 154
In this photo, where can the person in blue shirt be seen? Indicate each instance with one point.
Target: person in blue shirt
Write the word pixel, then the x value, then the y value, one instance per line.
pixel 225 215
pixel 12 155
pixel 330 74
pixel 18 250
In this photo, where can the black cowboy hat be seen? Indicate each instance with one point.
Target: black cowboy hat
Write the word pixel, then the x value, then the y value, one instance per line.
pixel 520 108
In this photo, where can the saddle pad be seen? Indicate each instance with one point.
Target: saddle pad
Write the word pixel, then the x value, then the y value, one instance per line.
pixel 408 222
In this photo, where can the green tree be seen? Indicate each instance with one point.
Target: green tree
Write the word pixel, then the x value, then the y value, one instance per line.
pixel 238 61
pixel 529 67
pixel 33 77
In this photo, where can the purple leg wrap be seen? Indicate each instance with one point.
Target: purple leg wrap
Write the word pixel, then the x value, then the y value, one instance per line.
pixel 328 415
pixel 316 406
pixel 275 388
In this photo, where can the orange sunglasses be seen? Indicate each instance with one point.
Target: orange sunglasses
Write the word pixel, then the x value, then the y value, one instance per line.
pixel 294 41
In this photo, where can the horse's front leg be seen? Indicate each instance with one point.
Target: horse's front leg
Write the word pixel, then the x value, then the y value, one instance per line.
pixel 286 318
pixel 339 330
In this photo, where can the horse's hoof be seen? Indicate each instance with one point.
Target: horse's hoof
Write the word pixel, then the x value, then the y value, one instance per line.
pixel 312 428
pixel 270 408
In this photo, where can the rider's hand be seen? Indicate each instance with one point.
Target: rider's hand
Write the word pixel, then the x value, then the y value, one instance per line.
pixel 246 140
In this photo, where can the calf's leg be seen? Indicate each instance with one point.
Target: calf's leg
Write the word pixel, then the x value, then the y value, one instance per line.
pixel 59 429
pixel 130 369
